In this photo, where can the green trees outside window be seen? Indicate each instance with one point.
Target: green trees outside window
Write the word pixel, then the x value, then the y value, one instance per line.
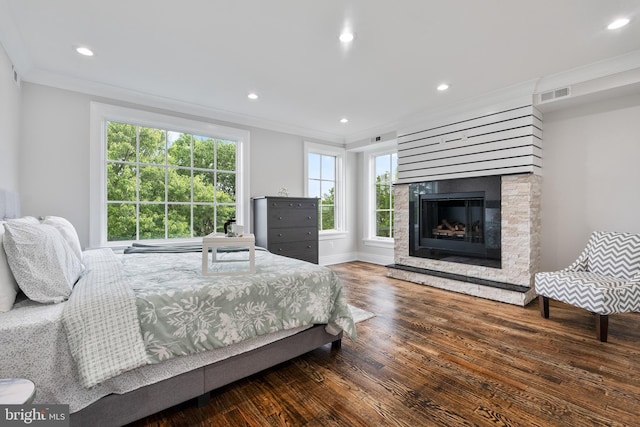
pixel 385 172
pixel 322 184
pixel 163 184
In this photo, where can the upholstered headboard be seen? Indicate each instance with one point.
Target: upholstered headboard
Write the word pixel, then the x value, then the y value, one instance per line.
pixel 9 204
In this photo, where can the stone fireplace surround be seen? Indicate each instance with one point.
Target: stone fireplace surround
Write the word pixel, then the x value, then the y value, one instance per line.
pixel 513 282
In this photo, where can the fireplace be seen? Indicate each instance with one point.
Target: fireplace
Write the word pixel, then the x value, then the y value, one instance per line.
pixel 456 221
pixel 504 272
pixel 467 202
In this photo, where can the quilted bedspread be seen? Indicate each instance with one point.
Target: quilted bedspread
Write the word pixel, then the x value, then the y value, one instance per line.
pixel 183 312
pixel 136 309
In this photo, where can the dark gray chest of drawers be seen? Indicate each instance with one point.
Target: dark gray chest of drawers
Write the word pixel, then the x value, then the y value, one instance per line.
pixel 287 226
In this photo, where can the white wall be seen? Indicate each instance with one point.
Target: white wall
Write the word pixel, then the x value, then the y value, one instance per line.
pixel 54 160
pixel 590 181
pixel 54 155
pixel 9 124
pixel 591 176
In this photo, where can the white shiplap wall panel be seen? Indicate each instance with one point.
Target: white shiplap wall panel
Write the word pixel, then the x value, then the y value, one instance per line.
pixel 513 124
pixel 505 142
pixel 461 171
pixel 462 148
pixel 477 173
pixel 470 158
pixel 474 122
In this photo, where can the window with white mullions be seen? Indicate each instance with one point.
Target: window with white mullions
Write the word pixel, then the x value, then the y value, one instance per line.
pixel 324 174
pixel 163 184
pixel 385 173
pixel 158 177
pixel 322 184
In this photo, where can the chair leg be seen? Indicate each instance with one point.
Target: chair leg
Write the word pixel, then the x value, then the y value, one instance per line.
pixel 602 325
pixel 543 302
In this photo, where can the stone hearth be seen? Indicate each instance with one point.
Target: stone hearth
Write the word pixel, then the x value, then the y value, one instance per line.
pixel 513 282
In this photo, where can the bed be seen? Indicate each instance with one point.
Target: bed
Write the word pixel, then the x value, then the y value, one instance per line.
pixel 141 332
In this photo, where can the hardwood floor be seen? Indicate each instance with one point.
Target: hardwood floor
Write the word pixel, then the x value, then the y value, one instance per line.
pixel 437 358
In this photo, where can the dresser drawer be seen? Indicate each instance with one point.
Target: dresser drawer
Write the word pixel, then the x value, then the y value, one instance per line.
pixel 282 235
pixel 290 203
pixel 307 251
pixel 282 218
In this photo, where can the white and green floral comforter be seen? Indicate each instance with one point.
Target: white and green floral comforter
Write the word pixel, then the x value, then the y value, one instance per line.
pixel 183 312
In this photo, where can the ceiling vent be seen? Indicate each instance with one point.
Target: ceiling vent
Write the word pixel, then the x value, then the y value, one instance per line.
pixel 553 95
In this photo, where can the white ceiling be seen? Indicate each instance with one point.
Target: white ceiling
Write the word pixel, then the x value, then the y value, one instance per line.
pixel 210 54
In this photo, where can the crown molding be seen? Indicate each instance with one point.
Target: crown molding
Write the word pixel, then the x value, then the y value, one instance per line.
pixel 48 78
pixel 593 71
pixel 389 127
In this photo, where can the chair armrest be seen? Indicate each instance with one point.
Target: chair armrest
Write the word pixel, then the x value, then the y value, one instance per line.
pixel 579 264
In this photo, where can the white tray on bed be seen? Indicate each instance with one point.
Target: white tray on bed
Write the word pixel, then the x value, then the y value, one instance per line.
pixel 214 241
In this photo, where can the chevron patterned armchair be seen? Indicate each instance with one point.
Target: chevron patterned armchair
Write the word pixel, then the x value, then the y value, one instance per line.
pixel 605 279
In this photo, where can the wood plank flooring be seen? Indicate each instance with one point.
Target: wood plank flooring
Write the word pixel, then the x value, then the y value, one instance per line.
pixel 437 358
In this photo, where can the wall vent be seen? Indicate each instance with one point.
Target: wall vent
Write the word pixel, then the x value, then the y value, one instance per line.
pixel 16 76
pixel 555 94
pixel 376 139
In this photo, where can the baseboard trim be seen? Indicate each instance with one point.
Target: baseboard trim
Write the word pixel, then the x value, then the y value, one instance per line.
pixel 338 258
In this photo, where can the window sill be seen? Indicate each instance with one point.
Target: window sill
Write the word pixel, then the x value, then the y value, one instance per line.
pixel 379 243
pixel 332 235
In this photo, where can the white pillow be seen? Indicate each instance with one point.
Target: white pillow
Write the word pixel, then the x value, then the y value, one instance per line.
pixel 68 232
pixel 25 219
pixel 44 265
pixel 8 284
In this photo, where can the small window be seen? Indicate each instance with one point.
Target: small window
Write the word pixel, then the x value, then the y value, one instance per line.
pixel 323 165
pixel 385 171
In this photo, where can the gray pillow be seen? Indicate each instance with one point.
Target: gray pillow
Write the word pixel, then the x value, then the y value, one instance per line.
pixel 43 263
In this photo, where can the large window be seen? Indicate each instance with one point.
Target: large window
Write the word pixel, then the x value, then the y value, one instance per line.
pixel 385 172
pixel 324 172
pixel 164 184
pixel 159 177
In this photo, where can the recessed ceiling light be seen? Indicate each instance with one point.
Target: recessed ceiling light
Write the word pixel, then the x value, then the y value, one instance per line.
pixel 618 23
pixel 84 51
pixel 442 87
pixel 344 120
pixel 252 96
pixel 346 37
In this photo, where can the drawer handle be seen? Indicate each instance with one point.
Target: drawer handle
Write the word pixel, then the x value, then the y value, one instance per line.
pixel 279 249
pixel 308 246
pixel 308 217
pixel 279 234
pixel 290 204
pixel 274 204
pixel 299 204
pixel 279 217
pixel 308 233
